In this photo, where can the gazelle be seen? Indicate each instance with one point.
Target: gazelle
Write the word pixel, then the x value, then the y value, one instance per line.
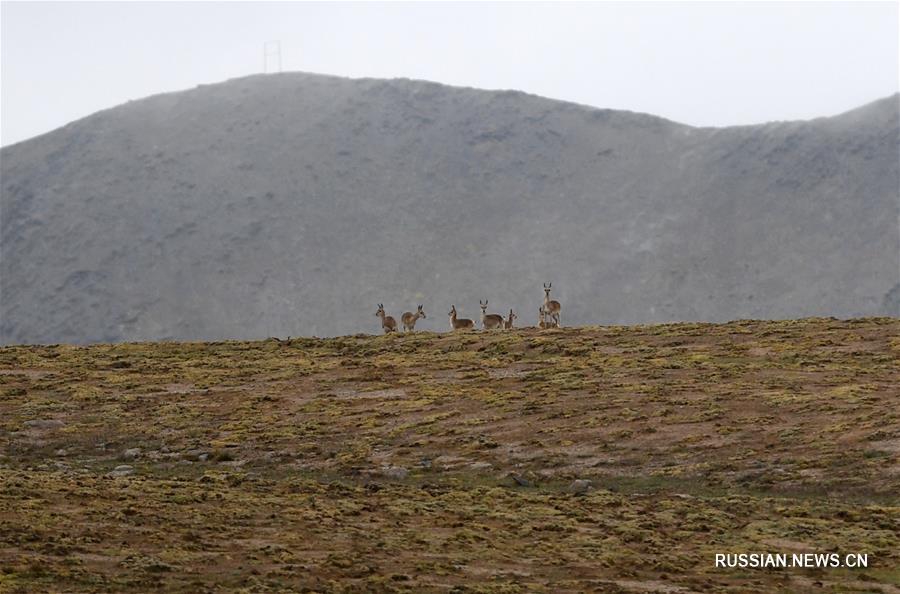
pixel 508 324
pixel 489 321
pixel 551 308
pixel 388 323
pixel 459 323
pixel 542 319
pixel 409 319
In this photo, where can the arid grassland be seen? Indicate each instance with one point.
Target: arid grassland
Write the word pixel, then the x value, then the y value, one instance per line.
pixel 455 463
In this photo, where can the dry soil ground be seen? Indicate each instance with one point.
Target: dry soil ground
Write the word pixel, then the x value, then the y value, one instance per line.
pixel 433 462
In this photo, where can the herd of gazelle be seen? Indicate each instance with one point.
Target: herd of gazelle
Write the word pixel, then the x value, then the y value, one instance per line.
pixel 548 317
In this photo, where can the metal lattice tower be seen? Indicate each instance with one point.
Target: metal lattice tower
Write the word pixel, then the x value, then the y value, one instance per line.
pixel 272 50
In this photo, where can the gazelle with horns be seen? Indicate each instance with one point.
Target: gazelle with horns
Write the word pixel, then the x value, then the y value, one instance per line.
pixel 459 323
pixel 551 307
pixel 489 321
pixel 409 319
pixel 388 323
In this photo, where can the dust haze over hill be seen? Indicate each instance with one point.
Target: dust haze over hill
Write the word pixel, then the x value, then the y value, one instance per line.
pixel 292 204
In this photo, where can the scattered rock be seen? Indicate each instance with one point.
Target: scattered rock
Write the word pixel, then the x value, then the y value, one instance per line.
pixel 395 472
pixel 487 442
pixel 132 453
pixel 60 452
pixel 203 457
pixel 195 455
pixel 447 462
pixel 234 463
pixel 580 486
pixel 480 465
pixel 44 424
pixel 520 480
pixel 121 470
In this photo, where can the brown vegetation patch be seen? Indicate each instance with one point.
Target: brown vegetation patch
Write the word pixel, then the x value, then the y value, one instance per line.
pixel 431 462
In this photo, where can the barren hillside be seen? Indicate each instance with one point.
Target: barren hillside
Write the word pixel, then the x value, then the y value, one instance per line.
pixel 291 204
pixel 450 463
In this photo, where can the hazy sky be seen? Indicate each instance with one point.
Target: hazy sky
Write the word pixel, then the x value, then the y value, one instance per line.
pixel 711 64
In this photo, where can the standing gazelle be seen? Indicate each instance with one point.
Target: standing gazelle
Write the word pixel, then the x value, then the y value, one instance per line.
pixel 459 323
pixel 542 319
pixel 489 321
pixel 388 323
pixel 409 319
pixel 551 308
pixel 508 324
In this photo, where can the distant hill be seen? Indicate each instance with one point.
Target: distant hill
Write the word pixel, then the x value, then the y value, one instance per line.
pixel 292 204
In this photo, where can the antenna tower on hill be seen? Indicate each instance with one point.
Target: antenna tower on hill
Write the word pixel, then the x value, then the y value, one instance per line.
pixel 271 51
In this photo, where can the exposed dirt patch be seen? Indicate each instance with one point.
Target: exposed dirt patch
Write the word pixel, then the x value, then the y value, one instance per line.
pixel 28 373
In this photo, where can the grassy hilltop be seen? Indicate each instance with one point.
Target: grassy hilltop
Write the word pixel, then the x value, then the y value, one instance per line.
pixel 437 462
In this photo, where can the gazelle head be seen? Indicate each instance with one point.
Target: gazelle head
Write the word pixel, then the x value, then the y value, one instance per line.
pixel 512 316
pixel 547 287
pixel 380 311
pixel 452 311
pixel 421 312
pixel 483 305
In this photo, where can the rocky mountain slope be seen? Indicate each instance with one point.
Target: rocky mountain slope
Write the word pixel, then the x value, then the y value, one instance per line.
pixel 292 204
